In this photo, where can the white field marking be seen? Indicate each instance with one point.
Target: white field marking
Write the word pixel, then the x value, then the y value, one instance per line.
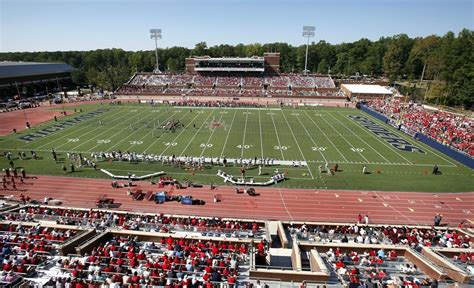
pixel 174 140
pixel 312 140
pixel 102 133
pixel 210 137
pixel 382 163
pixel 124 139
pixel 261 138
pixel 72 132
pixel 151 130
pixel 343 138
pixel 157 138
pixel 195 133
pixel 229 108
pixel 380 140
pixel 388 161
pixel 359 150
pixel 243 138
pixel 278 138
pixel 228 133
pixel 432 150
pixel 324 134
pixel 297 144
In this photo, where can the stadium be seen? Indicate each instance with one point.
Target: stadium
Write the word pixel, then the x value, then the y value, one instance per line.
pixel 233 172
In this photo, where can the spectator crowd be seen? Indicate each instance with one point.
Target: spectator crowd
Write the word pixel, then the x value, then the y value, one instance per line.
pixel 449 129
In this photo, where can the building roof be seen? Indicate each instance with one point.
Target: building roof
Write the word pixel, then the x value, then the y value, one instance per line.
pixel 366 89
pixel 24 69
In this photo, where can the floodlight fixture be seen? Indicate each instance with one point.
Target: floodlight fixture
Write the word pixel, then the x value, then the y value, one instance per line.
pixel 308 32
pixel 156 34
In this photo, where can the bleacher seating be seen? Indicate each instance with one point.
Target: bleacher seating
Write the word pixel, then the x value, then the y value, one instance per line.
pixel 128 221
pixel 229 86
pixel 382 235
pixel 446 128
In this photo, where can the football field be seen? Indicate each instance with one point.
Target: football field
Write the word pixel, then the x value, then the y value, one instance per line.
pixel 312 136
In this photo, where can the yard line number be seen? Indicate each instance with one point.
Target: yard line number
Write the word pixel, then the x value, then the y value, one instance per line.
pixel 319 148
pixel 357 150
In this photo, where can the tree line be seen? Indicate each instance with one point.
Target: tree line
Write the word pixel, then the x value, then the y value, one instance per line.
pixel 447 60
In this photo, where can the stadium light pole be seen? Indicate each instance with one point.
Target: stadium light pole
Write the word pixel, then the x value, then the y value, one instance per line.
pixel 156 34
pixel 308 32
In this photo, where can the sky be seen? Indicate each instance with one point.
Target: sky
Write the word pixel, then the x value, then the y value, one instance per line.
pixel 64 25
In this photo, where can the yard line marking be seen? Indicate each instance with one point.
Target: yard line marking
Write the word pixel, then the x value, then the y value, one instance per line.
pixel 209 139
pixel 245 132
pixel 359 138
pixel 297 144
pixel 151 130
pixel 384 143
pixel 344 138
pixel 311 137
pixel 195 133
pixel 82 135
pixel 261 138
pixel 174 140
pixel 115 134
pixel 332 143
pixel 278 138
pixel 102 133
pixel 228 133
pixel 67 134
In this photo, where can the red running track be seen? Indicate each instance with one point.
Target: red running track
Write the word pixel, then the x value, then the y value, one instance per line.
pixel 271 204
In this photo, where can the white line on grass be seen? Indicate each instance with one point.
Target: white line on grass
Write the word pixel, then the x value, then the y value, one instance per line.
pixel 228 133
pixel 344 138
pixel 81 135
pixel 210 137
pixel 324 134
pixel 384 143
pixel 261 138
pixel 104 132
pixel 125 138
pixel 174 113
pixel 311 137
pixel 174 140
pixel 243 138
pixel 432 150
pixel 73 131
pixel 278 138
pixel 297 144
pixel 195 133
pixel 335 118
pixel 157 138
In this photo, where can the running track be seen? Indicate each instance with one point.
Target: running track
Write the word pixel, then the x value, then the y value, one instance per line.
pixel 271 204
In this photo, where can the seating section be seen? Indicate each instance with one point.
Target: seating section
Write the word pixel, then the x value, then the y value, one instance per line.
pixel 449 129
pixel 362 234
pixel 125 260
pixel 377 266
pixel 95 218
pixel 24 249
pixel 226 85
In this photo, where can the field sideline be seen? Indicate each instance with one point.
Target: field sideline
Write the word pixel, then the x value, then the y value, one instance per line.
pixel 315 136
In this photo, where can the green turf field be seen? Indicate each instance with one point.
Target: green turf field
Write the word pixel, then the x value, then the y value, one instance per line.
pixel 314 136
